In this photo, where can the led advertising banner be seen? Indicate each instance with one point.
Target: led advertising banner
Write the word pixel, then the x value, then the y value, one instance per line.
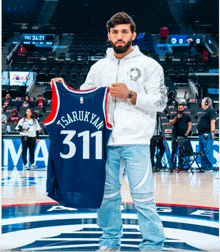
pixel 12 152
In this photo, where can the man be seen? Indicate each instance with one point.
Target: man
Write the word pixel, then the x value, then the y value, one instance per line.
pixel 181 127
pixel 206 129
pixel 41 102
pixel 138 92
pixel 7 101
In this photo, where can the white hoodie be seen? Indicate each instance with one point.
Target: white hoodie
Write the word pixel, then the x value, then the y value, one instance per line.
pixel 133 124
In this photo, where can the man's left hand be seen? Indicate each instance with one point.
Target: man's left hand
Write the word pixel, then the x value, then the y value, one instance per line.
pixel 212 135
pixel 119 90
pixel 37 140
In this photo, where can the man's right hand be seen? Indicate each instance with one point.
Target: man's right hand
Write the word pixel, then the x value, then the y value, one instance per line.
pixel 179 116
pixel 59 79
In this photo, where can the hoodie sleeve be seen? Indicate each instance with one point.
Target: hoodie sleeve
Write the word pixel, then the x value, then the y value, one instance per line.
pixel 9 119
pixel 90 81
pixel 155 96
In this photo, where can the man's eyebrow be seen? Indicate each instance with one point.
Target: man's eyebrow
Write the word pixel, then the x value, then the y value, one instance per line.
pixel 125 29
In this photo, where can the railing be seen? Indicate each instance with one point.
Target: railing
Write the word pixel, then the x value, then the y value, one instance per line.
pixel 14 50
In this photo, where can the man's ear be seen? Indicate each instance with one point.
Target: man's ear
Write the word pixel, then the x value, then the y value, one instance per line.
pixel 108 36
pixel 134 34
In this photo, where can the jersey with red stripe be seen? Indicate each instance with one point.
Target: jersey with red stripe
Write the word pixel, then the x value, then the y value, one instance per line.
pixel 79 131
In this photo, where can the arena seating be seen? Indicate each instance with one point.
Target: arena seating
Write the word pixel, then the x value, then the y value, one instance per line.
pixel 85 24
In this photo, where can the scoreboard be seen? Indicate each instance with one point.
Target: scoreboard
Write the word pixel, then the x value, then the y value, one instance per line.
pixel 39 40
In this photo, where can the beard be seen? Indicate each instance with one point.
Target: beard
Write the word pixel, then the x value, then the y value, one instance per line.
pixel 121 49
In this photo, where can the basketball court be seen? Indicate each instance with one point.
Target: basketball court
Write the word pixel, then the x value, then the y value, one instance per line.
pixel 187 203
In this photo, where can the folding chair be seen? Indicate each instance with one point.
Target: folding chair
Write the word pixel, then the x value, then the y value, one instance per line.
pixel 187 154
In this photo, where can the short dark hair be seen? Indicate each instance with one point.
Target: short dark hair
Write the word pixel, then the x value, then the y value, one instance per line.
pixel 181 104
pixel 120 18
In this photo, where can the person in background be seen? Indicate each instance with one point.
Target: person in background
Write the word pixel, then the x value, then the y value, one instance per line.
pixel 29 130
pixel 181 127
pixel 4 117
pixel 14 117
pixel 193 51
pixel 164 34
pixel 205 55
pixel 206 129
pixel 7 101
pixel 41 102
pixel 21 49
pixel 27 102
pixel 171 99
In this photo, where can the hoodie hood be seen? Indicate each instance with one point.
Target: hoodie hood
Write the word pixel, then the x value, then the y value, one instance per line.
pixel 110 53
pixel 15 110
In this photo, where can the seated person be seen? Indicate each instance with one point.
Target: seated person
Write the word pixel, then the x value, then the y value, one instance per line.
pixel 14 117
pixel 7 101
pixel 171 99
pixel 4 117
pixel 21 49
pixel 27 102
pixel 41 102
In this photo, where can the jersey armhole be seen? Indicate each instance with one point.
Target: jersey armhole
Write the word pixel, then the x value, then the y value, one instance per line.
pixel 79 90
pixel 53 112
pixel 108 125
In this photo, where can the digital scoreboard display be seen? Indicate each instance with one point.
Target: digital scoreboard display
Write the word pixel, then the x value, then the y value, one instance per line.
pixel 39 40
pixel 186 39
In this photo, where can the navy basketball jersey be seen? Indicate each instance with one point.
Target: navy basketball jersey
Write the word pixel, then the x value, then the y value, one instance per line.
pixel 79 131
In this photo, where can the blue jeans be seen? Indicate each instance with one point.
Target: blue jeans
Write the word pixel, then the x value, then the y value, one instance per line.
pixel 206 146
pixel 139 172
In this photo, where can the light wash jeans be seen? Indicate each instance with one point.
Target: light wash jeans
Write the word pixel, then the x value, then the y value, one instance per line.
pixel 139 172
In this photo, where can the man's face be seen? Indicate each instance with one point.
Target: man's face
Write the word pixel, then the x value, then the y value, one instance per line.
pixel 203 106
pixel 7 96
pixel 180 108
pixel 121 37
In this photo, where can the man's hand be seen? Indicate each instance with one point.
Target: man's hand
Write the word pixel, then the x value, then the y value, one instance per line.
pixel 179 116
pixel 119 90
pixel 56 80
pixel 212 135
pixel 37 140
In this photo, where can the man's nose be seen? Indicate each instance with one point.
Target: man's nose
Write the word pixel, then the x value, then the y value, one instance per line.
pixel 119 35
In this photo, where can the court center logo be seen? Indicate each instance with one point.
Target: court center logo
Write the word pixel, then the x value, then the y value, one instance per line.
pixel 51 227
pixel 135 74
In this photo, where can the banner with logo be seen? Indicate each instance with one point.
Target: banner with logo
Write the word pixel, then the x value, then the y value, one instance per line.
pixel 12 152
pixel 19 78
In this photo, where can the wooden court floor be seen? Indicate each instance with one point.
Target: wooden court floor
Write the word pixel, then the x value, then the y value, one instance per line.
pixel 187 203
